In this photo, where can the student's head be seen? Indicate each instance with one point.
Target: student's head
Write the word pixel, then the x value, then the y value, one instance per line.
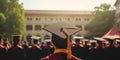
pixel 35 41
pixel 16 39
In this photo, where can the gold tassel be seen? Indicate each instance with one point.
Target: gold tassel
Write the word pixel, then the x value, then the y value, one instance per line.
pixel 8 44
pixel 69 56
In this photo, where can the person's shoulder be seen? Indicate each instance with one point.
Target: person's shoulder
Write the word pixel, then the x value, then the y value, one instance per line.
pixel 16 48
pixel 46 58
pixel 19 47
pixel 75 58
pixel 2 47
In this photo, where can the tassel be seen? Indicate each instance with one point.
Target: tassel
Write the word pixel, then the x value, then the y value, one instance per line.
pixel 69 56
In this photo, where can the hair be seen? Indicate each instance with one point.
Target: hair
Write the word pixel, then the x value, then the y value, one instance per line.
pixel 35 41
pixel 16 39
pixel 59 42
pixel 110 41
pixel 77 40
pixel 48 43
pixel 16 42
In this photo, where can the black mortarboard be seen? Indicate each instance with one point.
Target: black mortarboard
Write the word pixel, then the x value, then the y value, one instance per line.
pixel 78 38
pixel 85 41
pixel 118 41
pixel 61 33
pixel 35 39
pixel 61 28
pixel 100 41
pixel 111 41
pixel 93 42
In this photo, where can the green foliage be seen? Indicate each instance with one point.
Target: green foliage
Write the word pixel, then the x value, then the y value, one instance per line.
pixel 15 19
pixel 3 6
pixel 2 21
pixel 103 7
pixel 14 14
pixel 102 21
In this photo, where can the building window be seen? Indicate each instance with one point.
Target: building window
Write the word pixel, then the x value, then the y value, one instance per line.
pixel 86 19
pixel 67 19
pixel 48 19
pixel 78 19
pixel 58 19
pixel 29 27
pixel 51 19
pixel 29 19
pixel 38 19
pixel 45 25
pixel 37 27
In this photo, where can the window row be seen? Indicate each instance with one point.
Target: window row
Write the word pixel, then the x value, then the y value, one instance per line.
pixel 58 19
pixel 30 27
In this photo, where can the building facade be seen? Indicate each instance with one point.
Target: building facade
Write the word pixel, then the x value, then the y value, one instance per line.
pixel 38 19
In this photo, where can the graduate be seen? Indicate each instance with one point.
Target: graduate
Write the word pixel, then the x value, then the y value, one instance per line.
pixel 15 52
pixel 34 51
pixel 2 50
pixel 61 33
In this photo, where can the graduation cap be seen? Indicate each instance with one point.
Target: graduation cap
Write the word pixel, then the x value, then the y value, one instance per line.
pixel 100 41
pixel 61 33
pixel 85 41
pixel 48 40
pixel 111 41
pixel 35 39
pixel 61 29
pixel 118 41
pixel 78 38
pixel 92 42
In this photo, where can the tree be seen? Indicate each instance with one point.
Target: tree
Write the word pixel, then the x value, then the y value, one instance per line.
pixel 15 18
pixel 102 21
pixel 3 6
pixel 2 22
pixel 11 18
pixel 103 7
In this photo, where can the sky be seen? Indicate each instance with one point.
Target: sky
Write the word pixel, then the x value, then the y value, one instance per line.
pixel 63 4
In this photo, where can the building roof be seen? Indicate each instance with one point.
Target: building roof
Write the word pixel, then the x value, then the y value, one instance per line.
pixel 59 12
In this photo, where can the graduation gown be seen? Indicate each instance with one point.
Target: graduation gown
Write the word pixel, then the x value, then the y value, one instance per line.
pixel 15 53
pixel 59 56
pixel 34 53
pixel 2 53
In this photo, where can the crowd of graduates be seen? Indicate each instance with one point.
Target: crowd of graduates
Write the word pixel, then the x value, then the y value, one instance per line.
pixel 97 50
pixel 18 50
pixel 36 50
